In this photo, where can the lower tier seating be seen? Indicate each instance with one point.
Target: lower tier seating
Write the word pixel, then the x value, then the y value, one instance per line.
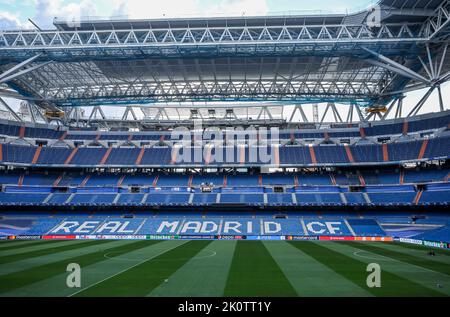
pixel 432 227
pixel 401 195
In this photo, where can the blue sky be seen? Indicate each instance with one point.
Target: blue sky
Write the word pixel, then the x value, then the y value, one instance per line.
pixel 15 13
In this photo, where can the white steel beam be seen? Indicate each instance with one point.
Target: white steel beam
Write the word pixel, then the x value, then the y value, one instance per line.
pixel 18 66
pixel 399 68
pixel 10 110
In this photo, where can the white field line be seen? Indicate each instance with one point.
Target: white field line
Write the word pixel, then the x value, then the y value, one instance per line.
pixel 126 269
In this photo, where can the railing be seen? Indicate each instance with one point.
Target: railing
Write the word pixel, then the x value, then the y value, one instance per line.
pixel 295 34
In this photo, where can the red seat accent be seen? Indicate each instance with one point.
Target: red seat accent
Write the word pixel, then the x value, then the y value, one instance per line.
pixel 385 153
pixel 423 148
pixel 362 132
pixel 105 157
pixel 139 158
pixel 417 198
pixel 349 153
pixel 36 155
pixel 63 136
pixel 313 155
pixel 405 127
pixel 22 132
pixel 69 159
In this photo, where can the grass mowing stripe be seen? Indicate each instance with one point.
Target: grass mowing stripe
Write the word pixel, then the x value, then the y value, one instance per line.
pixel 19 279
pixel 403 257
pixel 28 263
pixel 100 272
pixel 424 277
pixel 55 286
pixel 308 276
pixel 4 242
pixel 145 276
pixel 203 275
pixel 355 271
pixel 254 272
pixel 18 244
pixel 51 250
pixel 39 246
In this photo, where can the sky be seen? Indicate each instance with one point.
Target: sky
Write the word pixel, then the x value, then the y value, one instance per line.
pixel 14 14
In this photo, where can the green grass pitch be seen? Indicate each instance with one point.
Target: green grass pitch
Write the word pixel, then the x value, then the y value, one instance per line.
pixel 220 268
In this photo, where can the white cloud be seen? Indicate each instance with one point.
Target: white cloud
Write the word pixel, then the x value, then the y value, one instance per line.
pixel 238 8
pixel 47 10
pixel 137 9
pixel 9 21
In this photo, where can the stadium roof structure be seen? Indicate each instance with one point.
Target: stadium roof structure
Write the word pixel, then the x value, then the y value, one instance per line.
pixel 366 59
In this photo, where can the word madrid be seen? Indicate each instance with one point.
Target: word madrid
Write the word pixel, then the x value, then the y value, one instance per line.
pixel 207 227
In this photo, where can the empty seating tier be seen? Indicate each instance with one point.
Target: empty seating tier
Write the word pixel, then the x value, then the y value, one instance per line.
pixel 319 155
pixel 291 189
pixel 389 127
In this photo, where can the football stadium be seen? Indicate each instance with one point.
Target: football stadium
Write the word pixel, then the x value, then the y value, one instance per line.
pixel 277 155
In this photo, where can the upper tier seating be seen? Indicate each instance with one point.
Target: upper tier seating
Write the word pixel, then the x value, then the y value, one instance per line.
pixel 435 194
pixel 425 176
pixel 392 198
pixel 355 198
pixel 163 156
pixel 49 156
pixel 420 123
pixel 19 199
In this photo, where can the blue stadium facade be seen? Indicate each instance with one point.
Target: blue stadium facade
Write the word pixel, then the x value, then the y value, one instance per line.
pixel 65 175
